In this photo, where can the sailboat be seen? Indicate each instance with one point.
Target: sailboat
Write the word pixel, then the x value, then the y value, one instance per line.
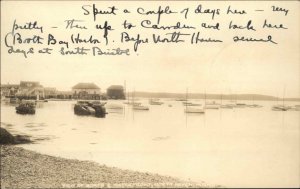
pixel 189 109
pixel 138 106
pixel 131 102
pixel 211 105
pixel 227 106
pixel 254 105
pixel 281 107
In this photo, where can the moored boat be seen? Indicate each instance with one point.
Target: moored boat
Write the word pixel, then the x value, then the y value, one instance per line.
pixel 240 105
pixel 281 108
pixel 227 106
pixel 155 102
pixel 194 110
pixel 212 106
pixel 95 108
pixel 140 107
pixel 25 108
pixel 190 104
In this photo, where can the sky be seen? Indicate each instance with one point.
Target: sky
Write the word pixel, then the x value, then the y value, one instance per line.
pixel 255 68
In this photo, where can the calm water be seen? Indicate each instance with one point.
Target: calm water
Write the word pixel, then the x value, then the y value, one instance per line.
pixel 241 147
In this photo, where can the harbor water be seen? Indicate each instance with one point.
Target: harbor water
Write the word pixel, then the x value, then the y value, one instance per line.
pixel 239 147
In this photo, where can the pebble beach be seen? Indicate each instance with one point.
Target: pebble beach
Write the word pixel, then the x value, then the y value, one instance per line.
pixel 22 168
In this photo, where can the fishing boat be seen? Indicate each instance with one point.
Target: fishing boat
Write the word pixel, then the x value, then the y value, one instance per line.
pixel 26 108
pixel 95 108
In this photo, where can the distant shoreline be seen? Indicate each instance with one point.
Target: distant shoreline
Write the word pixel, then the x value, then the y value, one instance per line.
pixel 21 168
pixel 233 97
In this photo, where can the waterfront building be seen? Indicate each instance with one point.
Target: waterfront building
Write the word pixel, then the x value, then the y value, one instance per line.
pixel 31 90
pixel 9 90
pixel 89 91
pixel 116 92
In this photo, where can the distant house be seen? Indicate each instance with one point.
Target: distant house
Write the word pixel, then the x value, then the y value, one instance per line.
pixel 64 94
pixel 31 90
pixel 86 91
pixel 50 92
pixel 8 90
pixel 115 92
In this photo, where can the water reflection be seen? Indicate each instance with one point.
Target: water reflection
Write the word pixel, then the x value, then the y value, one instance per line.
pixel 217 146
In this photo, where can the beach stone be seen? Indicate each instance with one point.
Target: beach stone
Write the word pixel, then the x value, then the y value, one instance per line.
pixel 7 138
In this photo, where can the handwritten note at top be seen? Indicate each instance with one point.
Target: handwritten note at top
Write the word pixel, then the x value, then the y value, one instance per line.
pixel 97 30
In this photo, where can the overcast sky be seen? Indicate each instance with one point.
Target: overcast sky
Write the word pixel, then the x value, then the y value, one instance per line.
pixel 212 68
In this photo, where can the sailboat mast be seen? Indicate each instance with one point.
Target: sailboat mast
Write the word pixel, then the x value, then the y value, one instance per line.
pixel 283 96
pixel 205 98
pixel 221 98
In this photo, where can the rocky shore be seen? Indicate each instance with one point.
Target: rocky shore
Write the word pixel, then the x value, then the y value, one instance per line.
pixel 22 168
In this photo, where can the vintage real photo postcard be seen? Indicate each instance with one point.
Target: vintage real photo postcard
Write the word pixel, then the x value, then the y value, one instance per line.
pixel 150 94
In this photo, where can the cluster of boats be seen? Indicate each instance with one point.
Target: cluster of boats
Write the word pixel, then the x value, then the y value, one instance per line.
pixel 140 106
pixel 94 108
pixel 199 108
pixel 98 109
pixel 286 108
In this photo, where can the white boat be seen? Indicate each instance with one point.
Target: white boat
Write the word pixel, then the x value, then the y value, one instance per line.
pixel 190 104
pixel 133 103
pixel 254 106
pixel 194 110
pixel 227 106
pixel 281 108
pixel 140 107
pixel 212 103
pixel 155 102
pixel 180 99
pixel 212 106
pixel 294 108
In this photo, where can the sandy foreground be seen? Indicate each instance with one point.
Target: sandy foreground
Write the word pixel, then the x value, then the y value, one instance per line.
pixel 22 168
